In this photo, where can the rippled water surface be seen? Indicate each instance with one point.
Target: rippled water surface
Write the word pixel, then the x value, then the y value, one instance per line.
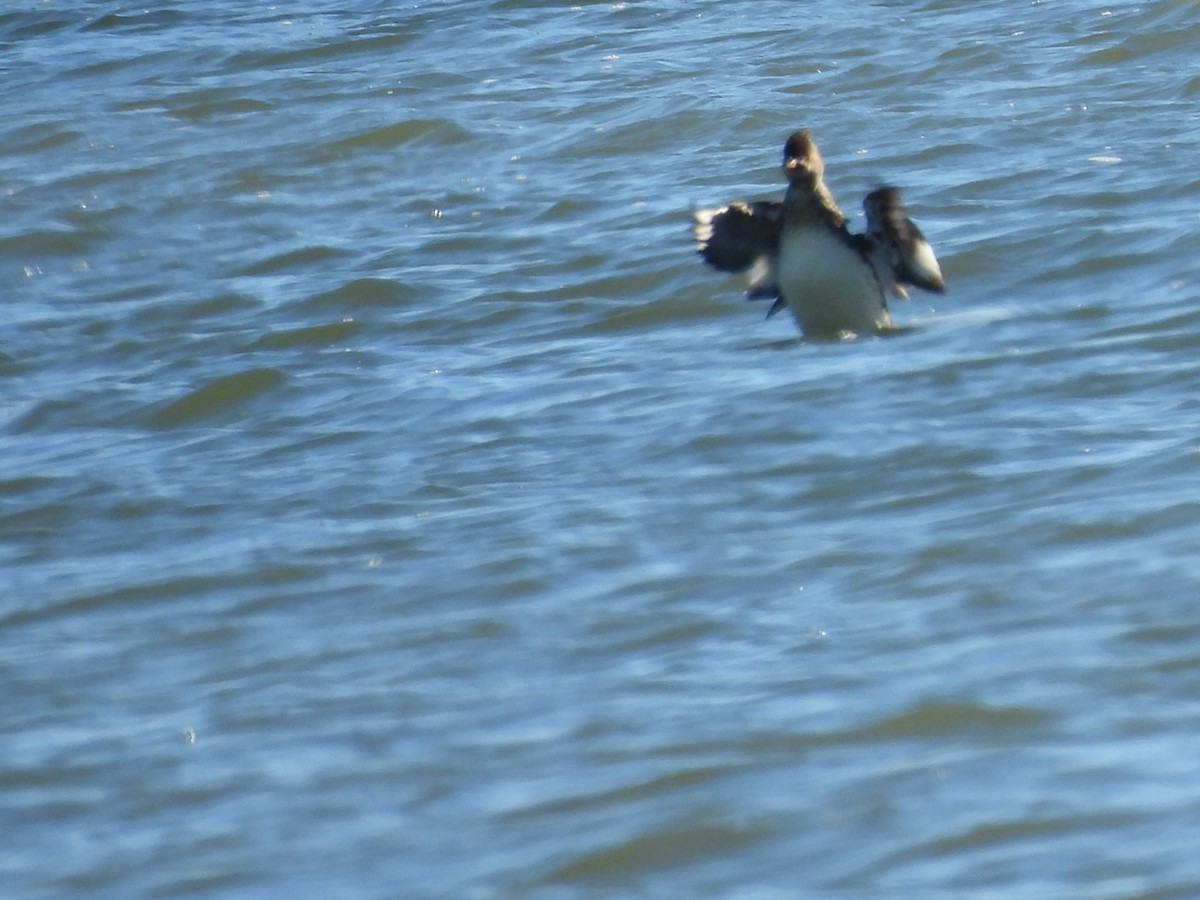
pixel 392 504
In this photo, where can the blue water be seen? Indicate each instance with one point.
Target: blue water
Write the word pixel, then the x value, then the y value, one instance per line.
pixel 393 505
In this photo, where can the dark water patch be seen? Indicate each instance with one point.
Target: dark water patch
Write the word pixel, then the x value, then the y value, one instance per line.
pixel 36 245
pixel 1190 89
pixel 176 315
pixel 421 132
pixel 940 720
pixel 327 335
pixel 152 590
pixel 84 410
pixel 19 26
pixel 206 109
pixel 1093 311
pixel 147 63
pixel 15 487
pixel 174 102
pixel 41 506
pixel 14 365
pixel 662 785
pixel 146 20
pixel 628 290
pixel 983 838
pixel 362 293
pixel 669 846
pixel 301 258
pixel 372 42
pixel 319 53
pixel 630 636
pixel 1144 45
pixel 40 137
pixel 1166 330
pixel 219 400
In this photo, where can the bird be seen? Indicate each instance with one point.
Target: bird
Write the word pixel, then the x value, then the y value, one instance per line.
pixel 800 253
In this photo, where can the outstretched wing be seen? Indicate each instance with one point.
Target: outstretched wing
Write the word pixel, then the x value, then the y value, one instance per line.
pixel 901 247
pixel 743 237
pixel 732 238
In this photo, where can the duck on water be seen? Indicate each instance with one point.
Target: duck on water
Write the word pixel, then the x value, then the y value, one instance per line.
pixel 800 254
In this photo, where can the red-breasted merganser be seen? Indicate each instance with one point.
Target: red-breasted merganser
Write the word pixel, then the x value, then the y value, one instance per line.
pixel 801 254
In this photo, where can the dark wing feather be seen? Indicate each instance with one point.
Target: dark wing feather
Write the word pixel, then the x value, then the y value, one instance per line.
pixel 735 237
pixel 901 242
pixel 744 237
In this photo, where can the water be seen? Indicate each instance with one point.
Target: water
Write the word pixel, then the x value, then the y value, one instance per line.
pixel 392 504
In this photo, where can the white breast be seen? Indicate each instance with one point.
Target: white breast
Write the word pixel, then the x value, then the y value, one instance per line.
pixel 828 286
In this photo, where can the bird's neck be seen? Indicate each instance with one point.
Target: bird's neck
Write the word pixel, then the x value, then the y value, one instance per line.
pixel 811 203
